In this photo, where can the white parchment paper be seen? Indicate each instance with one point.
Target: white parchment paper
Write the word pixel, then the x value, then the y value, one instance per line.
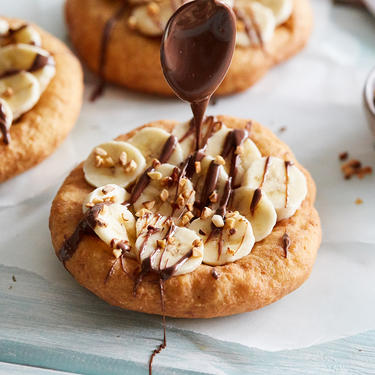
pixel 317 97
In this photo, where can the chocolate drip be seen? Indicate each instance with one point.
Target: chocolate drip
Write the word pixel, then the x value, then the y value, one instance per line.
pixel 286 243
pixel 265 170
pixel 222 209
pixel 106 34
pixel 209 183
pixel 40 62
pixel 3 126
pixel 85 226
pixel 215 274
pixel 287 164
pixel 234 139
pixel 144 179
pixel 257 196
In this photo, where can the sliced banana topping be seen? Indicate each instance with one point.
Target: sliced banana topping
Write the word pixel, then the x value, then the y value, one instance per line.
pixel 282 9
pixel 225 239
pixel 21 91
pixel 284 184
pixel 168 194
pixel 215 144
pixel 150 19
pixel 151 141
pixel 108 194
pixel 257 208
pixel 259 19
pixel 25 34
pixel 113 162
pixel 171 250
pixel 6 119
pixel 114 224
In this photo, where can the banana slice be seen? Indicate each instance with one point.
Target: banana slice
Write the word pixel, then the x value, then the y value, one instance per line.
pixel 21 91
pixel 151 141
pixel 108 194
pixel 29 58
pixel 167 195
pixel 203 182
pixel 257 208
pixel 6 119
pixel 284 184
pixel 114 224
pixel 25 34
pixel 172 250
pixel 282 9
pixel 263 18
pixel 113 162
pixel 150 19
pixel 215 144
pixel 225 241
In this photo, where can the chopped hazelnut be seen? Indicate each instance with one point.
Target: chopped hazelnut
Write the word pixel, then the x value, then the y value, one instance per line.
pixel 198 167
pixel 90 204
pixel 142 212
pixel 164 195
pixel 130 166
pixel 343 156
pixel 123 158
pixel 107 189
pixel 155 163
pixel 149 204
pixel 218 221
pixel 166 181
pixel 190 206
pixel 161 244
pixel 229 222
pixel 197 243
pixel 230 251
pixel 154 175
pixel 186 218
pixel 180 201
pixel 206 213
pixel 100 151
pixel 213 197
pixel 171 240
pixel 197 253
pixel 358 201
pixel 153 9
pixel 219 160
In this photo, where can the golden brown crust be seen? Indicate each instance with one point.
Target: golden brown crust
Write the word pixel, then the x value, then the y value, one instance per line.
pixel 133 60
pixel 40 131
pixel 262 277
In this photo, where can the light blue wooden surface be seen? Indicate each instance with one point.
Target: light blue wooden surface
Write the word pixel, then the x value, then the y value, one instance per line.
pixel 67 329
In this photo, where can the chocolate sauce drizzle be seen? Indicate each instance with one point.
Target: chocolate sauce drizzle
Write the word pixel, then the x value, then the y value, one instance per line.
pixel 265 170
pixel 106 34
pixel 3 126
pixel 257 196
pixel 287 164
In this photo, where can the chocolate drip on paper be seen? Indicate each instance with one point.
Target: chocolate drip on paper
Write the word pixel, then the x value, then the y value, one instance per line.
pixel 106 34
pixel 3 126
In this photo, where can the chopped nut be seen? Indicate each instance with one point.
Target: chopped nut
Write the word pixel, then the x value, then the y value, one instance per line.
pixel 219 160
pixel 161 244
pixel 190 206
pixel 230 251
pixel 164 195
pixel 217 126
pixel 100 151
pixel 180 201
pixel 229 222
pixel 155 163
pixel 130 166
pixel 7 93
pixel 154 175
pixel 364 171
pixel 206 213
pixel 171 240
pixel 198 167
pixel 90 204
pixel 166 181
pixel 343 156
pixel 186 218
pixel 105 162
pixel 142 212
pixel 153 9
pixel 239 150
pixel 132 22
pixel 197 243
pixel 149 204
pixel 358 201
pixel 213 197
pixel 123 158
pixel 218 221
pixel 117 253
pixel 197 252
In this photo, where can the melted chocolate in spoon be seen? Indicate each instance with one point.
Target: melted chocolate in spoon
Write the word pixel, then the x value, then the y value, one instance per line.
pixel 196 51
